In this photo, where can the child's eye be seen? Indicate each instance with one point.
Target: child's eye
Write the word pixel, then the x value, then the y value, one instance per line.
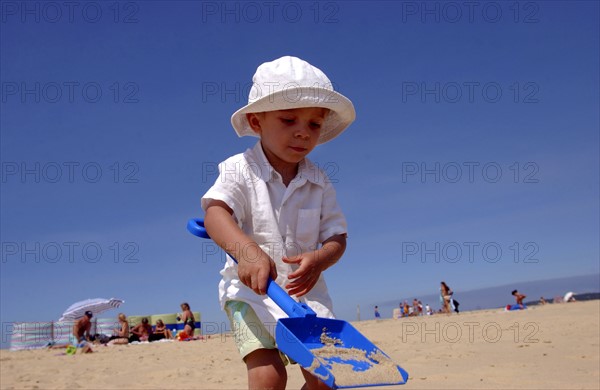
pixel 287 121
pixel 315 125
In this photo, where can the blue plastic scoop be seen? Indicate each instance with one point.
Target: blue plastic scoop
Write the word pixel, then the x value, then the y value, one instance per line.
pixel 332 350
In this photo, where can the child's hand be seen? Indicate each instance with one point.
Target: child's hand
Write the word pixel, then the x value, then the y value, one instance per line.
pixel 307 275
pixel 312 264
pixel 255 271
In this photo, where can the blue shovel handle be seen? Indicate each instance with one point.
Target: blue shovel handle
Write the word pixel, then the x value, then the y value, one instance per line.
pixel 292 308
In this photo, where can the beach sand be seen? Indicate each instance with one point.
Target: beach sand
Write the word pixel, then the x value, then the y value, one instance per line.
pixel 548 347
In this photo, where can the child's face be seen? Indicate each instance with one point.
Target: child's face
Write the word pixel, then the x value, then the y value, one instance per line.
pixel 287 136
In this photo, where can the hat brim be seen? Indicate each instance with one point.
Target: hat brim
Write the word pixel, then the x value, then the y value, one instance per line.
pixel 341 109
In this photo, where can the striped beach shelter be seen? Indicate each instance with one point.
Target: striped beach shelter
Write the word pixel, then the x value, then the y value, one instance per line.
pixel 96 306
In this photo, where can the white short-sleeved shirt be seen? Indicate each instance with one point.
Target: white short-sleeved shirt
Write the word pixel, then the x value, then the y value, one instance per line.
pixel 283 221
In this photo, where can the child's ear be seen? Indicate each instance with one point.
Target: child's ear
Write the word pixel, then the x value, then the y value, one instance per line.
pixel 254 121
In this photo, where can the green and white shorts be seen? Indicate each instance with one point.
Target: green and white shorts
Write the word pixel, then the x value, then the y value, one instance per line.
pixel 249 332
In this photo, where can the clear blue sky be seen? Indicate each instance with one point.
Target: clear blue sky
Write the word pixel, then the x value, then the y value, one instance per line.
pixel 474 158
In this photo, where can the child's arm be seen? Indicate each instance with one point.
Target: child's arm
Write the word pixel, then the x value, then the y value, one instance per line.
pixel 313 263
pixel 254 265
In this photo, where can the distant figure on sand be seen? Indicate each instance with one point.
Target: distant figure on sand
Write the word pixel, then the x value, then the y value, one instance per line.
pixel 445 297
pixel 188 319
pixel 160 332
pixel 377 315
pixel 519 298
pixel 81 329
pixel 415 307
pixel 141 332
pixel 120 334
pixel 455 305
pixel 569 297
pixel 542 301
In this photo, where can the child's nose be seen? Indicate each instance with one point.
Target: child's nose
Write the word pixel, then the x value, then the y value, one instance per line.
pixel 302 132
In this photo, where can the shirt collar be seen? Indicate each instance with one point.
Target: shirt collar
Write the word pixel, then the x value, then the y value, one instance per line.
pixel 263 168
pixel 307 171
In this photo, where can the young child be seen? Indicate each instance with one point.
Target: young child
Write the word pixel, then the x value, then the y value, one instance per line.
pixel 276 212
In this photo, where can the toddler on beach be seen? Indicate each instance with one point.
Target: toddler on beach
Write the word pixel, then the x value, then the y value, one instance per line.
pixel 274 211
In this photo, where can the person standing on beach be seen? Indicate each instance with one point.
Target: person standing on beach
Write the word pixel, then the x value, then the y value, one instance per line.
pixel 276 212
pixel 415 307
pixel 377 315
pixel 445 297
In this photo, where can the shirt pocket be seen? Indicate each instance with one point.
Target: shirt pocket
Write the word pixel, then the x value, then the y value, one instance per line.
pixel 307 228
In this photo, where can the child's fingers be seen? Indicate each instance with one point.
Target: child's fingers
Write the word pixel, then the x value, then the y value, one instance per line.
pixel 295 260
pixel 254 283
pixel 303 284
pixel 303 288
pixel 291 260
pixel 256 276
pixel 245 279
pixel 263 277
pixel 299 273
pixel 273 271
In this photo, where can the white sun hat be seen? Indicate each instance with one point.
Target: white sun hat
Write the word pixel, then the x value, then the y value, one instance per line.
pixel 287 83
